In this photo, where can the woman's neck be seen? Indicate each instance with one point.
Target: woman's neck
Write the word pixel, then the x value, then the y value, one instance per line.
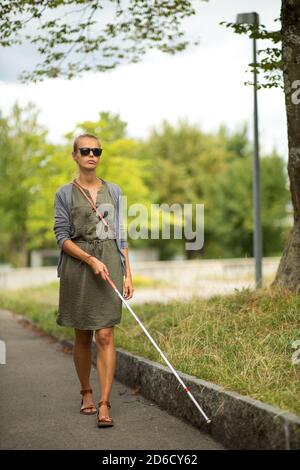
pixel 87 179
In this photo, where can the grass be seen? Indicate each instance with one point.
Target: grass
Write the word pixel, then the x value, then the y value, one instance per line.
pixel 241 341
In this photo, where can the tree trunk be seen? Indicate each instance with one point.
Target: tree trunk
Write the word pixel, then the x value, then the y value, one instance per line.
pixel 288 273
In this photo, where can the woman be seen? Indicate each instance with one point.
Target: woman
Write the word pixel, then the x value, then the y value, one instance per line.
pixel 91 250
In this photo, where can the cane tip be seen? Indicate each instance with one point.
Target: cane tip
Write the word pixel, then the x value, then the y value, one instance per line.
pixel 208 421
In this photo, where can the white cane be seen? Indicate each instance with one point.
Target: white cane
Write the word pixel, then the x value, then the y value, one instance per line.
pixel 160 352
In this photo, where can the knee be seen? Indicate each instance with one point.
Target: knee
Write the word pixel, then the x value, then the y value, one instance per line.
pixel 83 338
pixel 104 337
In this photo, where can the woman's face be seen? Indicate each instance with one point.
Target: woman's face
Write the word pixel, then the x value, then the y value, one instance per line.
pixel 89 162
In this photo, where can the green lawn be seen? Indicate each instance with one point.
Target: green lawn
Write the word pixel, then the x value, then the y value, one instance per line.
pixel 242 341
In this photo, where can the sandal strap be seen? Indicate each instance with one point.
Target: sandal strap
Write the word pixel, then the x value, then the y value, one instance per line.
pixel 87 407
pixel 87 390
pixel 104 402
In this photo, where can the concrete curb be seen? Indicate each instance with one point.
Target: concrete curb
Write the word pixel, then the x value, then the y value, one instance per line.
pixel 238 422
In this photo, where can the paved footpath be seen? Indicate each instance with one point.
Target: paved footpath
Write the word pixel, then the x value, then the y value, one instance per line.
pixel 40 401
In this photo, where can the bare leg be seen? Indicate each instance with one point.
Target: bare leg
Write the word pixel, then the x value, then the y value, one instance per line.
pixel 82 356
pixel 106 363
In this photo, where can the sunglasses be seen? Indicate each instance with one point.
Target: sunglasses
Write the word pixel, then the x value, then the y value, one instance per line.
pixel 85 151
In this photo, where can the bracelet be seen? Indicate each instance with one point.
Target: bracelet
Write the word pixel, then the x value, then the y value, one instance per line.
pixel 90 256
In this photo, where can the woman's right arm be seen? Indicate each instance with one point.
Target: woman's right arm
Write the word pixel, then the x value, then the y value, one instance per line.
pixel 96 265
pixel 62 229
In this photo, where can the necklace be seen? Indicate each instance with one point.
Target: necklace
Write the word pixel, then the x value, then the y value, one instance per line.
pixel 99 179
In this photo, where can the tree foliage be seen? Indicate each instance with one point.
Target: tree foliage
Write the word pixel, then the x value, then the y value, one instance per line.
pixel 269 64
pixel 174 164
pixel 190 166
pixel 75 36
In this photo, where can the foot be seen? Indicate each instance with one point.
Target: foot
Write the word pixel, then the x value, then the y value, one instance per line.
pixel 87 401
pixel 103 413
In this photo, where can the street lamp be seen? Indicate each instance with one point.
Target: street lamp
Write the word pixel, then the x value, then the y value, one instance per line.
pixel 253 18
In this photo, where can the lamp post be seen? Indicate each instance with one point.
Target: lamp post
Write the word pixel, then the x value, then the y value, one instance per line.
pixel 253 18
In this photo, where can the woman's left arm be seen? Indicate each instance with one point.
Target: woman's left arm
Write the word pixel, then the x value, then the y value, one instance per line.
pixel 127 284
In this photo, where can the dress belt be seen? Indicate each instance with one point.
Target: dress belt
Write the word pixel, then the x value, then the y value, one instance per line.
pixel 93 242
pixel 97 240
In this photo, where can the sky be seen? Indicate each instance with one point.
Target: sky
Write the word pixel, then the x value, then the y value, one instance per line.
pixel 204 84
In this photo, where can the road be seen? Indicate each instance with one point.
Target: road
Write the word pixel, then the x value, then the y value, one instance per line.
pixel 40 403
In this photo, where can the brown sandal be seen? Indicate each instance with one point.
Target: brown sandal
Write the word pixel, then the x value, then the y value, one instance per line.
pixel 89 407
pixel 106 421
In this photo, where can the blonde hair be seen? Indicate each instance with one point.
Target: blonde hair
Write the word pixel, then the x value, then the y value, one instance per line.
pixel 75 143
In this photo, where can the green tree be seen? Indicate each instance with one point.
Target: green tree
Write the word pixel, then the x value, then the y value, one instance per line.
pixel 31 170
pixel 24 151
pixel 231 208
pixel 189 166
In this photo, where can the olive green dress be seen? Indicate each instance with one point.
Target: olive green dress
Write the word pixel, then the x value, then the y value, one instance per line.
pixel 86 301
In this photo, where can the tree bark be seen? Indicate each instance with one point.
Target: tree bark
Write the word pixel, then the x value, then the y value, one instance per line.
pixel 288 273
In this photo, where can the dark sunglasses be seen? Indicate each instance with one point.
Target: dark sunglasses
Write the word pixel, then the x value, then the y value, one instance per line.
pixel 85 151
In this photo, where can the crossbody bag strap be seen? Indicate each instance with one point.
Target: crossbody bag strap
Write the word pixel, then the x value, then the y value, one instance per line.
pixel 92 204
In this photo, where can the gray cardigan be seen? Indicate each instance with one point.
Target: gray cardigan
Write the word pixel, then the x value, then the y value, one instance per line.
pixel 63 226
